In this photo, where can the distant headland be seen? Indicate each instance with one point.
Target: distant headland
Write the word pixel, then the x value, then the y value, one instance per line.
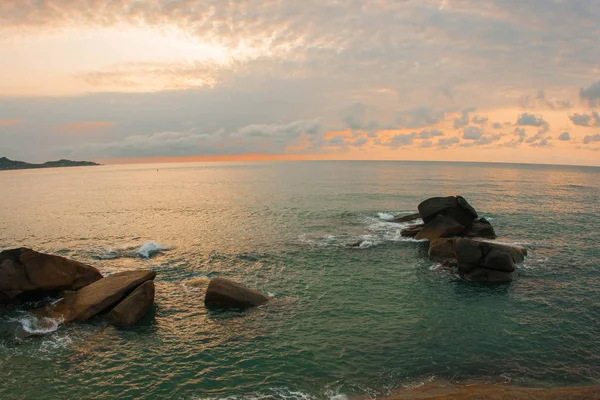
pixel 6 164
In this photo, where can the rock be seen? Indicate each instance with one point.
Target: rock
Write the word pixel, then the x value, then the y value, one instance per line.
pixel 479 261
pixel 355 244
pixel 99 296
pixel 456 207
pixel 440 226
pixel 406 218
pixel 412 230
pixel 477 258
pixel 133 307
pixel 24 271
pixel 481 228
pixel 442 249
pixel 226 294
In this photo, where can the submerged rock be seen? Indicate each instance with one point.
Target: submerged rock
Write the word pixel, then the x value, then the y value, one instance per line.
pixel 225 294
pixel 406 218
pixel 133 307
pixel 99 296
pixel 412 230
pixel 24 271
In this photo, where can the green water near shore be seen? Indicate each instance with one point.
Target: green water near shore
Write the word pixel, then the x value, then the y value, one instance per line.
pixel 345 322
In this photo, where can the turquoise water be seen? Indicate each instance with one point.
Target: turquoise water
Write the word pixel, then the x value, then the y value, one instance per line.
pixel 346 322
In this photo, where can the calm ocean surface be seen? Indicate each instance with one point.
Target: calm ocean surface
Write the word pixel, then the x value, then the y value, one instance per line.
pixel 346 322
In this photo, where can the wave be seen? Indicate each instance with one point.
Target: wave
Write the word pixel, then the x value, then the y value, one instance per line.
pixel 146 250
pixel 34 326
pixel 149 249
pixel 376 230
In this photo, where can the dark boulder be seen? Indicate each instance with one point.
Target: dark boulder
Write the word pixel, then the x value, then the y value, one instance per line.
pixel 225 294
pixel 24 271
pixel 485 261
pixel 100 296
pixel 479 261
pixel 412 230
pixel 456 207
pixel 482 228
pixel 133 307
pixel 440 226
pixel 442 249
pixel 406 218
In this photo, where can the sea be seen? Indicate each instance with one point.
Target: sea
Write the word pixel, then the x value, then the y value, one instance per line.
pixel 345 322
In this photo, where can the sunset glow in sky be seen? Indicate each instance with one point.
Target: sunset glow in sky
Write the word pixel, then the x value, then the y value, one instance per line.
pixel 163 80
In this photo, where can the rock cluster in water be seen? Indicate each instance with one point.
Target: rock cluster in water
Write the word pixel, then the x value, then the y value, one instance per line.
pixel 122 298
pixel 454 231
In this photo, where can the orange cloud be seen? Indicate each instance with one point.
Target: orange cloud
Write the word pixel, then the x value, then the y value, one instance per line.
pixel 82 127
pixel 10 122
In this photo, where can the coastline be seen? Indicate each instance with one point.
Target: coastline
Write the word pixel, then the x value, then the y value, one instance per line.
pixel 494 392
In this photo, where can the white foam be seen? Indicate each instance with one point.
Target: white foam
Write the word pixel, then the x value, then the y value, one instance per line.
pixel 56 343
pixel 39 326
pixel 149 249
pixel 385 216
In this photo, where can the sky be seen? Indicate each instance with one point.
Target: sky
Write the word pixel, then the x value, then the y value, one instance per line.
pixel 184 80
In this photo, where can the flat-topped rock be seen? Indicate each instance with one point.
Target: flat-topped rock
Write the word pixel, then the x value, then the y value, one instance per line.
pixel 24 271
pixel 99 296
pixel 226 294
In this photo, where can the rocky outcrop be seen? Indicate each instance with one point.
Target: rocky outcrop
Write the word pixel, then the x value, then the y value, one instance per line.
pixel 133 307
pixel 447 217
pixel 479 261
pixel 225 294
pixel 24 271
pixel 101 296
pixel 452 227
pixel 456 207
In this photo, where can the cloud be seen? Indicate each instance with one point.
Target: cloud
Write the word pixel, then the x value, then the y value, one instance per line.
pixel 428 134
pixel 359 142
pixel 565 136
pixel 464 118
pixel 480 120
pixel 545 142
pixel 81 127
pixel 472 133
pixel 359 117
pixel 445 143
pixel 266 139
pixel 541 101
pixel 591 138
pixel 583 119
pixel 526 119
pixel 591 94
pixel 418 118
pixel 488 139
pixel 7 122
pixel 400 140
